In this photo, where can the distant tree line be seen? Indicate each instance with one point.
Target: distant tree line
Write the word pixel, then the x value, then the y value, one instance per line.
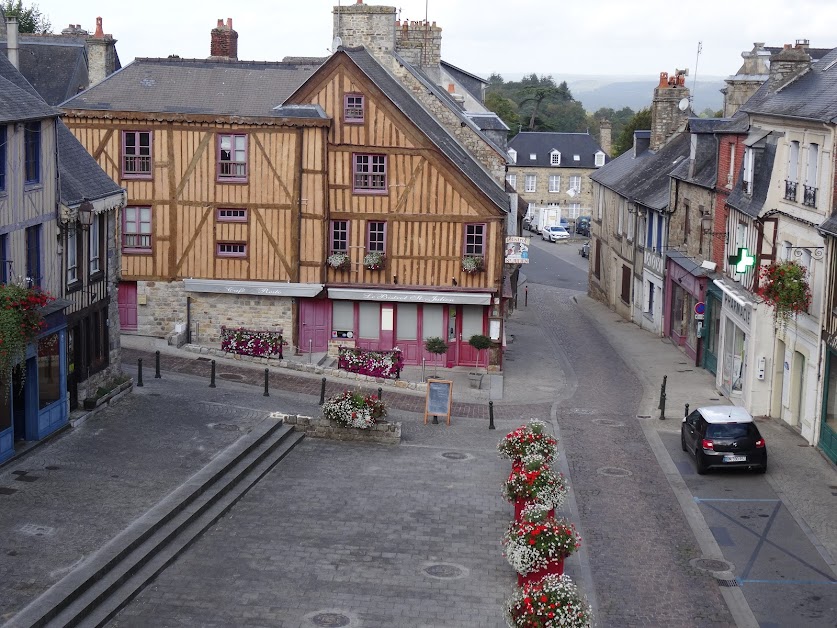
pixel 30 19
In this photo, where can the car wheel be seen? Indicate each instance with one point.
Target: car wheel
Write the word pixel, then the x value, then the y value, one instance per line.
pixel 762 469
pixel 683 441
pixel 700 463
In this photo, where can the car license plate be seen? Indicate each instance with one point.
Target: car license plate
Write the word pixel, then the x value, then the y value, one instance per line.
pixel 735 458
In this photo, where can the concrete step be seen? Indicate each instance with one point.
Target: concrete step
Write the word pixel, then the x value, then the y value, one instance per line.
pixel 111 577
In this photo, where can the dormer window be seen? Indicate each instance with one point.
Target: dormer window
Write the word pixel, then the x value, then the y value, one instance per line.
pixel 600 159
pixel 555 158
pixel 576 157
pixel 533 156
pixel 513 155
pixel 748 170
pixel 353 108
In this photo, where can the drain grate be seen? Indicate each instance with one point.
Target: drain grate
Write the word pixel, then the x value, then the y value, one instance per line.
pixel 443 571
pixel 331 620
pixel 608 423
pixel 454 455
pixel 236 377
pixel 33 529
pixel 614 471
pixel 727 583
pixel 712 564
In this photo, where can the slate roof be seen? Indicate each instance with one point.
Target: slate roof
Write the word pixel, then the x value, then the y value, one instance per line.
pixel 196 86
pixel 488 121
pixel 764 154
pixel 829 227
pixel 473 83
pixel 80 176
pixel 568 144
pixel 428 124
pixel 812 96
pixel 645 179
pixel 815 53
pixel 18 99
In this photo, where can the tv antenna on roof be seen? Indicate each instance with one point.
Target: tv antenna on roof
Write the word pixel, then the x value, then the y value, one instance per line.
pixel 694 80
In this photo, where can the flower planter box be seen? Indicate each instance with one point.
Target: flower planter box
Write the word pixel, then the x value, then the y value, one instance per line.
pixel 555 567
pixel 475 380
pixel 384 433
pixel 386 364
pixel 520 504
pixel 91 403
pixel 256 343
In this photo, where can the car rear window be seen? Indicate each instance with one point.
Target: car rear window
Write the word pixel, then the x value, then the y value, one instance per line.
pixel 730 430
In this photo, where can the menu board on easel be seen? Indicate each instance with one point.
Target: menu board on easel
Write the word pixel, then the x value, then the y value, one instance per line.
pixel 438 399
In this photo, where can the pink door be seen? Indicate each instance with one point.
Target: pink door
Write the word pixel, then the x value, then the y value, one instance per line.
pixel 385 342
pixel 471 322
pixel 128 305
pixel 314 323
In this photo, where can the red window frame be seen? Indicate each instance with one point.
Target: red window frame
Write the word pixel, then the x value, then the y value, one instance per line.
pixel 231 170
pixel 240 214
pixel 469 248
pixel 331 231
pixel 136 241
pixel 136 156
pixel 369 173
pixel 379 244
pixel 354 108
pixel 229 249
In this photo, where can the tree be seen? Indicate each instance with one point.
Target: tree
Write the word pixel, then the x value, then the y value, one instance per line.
pixel 30 19
pixel 640 121
pixel 505 108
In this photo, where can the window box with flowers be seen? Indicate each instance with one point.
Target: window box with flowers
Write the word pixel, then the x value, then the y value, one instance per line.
pixel 472 264
pixel 550 602
pixel 784 287
pixel 20 323
pixel 340 261
pixel 537 545
pixel 374 260
pixel 386 364
pixel 527 440
pixel 354 409
pixel 534 481
pixel 262 344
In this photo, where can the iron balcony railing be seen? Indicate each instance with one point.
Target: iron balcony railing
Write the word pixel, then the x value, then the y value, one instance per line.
pixel 809 196
pixel 790 190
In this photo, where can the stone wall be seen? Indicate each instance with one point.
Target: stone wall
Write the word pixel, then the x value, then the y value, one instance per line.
pixel 319 427
pixel 365 25
pixel 542 196
pixel 666 116
pixel 421 44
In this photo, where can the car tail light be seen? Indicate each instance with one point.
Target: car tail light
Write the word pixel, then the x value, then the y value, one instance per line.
pixel 707 444
pixel 760 443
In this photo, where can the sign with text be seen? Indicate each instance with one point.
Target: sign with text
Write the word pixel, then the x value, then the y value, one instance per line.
pixel 438 399
pixel 517 250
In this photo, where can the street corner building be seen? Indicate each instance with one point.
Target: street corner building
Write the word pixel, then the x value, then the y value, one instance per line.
pixel 348 200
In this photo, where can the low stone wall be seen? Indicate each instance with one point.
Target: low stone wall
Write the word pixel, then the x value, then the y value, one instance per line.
pixel 319 427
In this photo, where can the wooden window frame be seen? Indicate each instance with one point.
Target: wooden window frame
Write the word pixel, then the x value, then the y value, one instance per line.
pixel 555 158
pixel 354 112
pixel 34 248
pixel 626 284
pixel 3 156
pixel 98 246
pixel 4 251
pixel 231 254
pixel 134 173
pixel 483 235
pixel 221 177
pixel 220 217
pixel 138 249
pixel 383 233
pixel 331 232
pixel 73 244
pixel 32 152
pixel 367 177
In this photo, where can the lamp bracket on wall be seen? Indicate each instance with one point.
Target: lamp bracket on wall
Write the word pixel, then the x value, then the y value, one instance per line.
pixel 817 252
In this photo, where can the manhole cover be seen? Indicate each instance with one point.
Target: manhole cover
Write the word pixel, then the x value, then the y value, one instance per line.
pixel 711 564
pixel 608 423
pixel 236 377
pixel 454 455
pixel 33 529
pixel 225 427
pixel 443 571
pixel 330 619
pixel 614 471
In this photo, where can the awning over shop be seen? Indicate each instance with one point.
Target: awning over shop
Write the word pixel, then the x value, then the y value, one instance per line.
pixel 736 293
pixel 260 288
pixel 407 296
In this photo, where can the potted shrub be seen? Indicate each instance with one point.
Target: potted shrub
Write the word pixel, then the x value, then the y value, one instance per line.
pixel 548 603
pixel 20 323
pixel 374 260
pixel 537 545
pixel 339 261
pixel 437 347
pixel 354 409
pixel 478 342
pixel 472 264
pixel 534 481
pixel 527 440
pixel 784 286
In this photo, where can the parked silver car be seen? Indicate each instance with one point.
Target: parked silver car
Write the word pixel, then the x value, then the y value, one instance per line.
pixel 555 233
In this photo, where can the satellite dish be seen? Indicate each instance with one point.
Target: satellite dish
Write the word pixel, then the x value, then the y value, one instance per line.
pixel 683 105
pixel 571 192
pixel 336 43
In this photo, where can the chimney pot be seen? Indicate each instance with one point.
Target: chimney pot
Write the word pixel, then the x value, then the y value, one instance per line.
pixel 229 23
pixel 451 88
pixel 99 32
pixel 663 79
pixel 220 23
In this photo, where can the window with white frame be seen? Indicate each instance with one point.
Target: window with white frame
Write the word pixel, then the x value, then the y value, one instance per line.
pixel 72 255
pixel 231 249
pixel 555 158
pixel 232 157
pixel 749 159
pixel 231 215
pixel 631 224
pixel 555 183
pixel 649 237
pixel 136 230
pixel 575 182
pixel 620 216
pixel 370 173
pixel 599 203
pixel 512 179
pixel 809 192
pixel 576 157
pixel 786 251
pixel 94 241
pixel 533 156
pixel 793 161
pixel 574 210
pixel 513 155
pixel 731 171
pixel 599 159
pixel 531 183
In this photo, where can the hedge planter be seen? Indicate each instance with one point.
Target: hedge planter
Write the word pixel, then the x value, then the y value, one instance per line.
pixel 105 393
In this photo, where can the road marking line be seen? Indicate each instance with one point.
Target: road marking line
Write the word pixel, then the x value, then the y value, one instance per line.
pixel 712 499
pixel 748 581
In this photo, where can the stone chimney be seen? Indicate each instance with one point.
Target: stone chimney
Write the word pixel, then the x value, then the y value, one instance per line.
pixel 75 30
pixel 606 136
pixel 667 113
pixel 420 43
pixel 101 55
pixel 750 76
pixel 362 25
pixel 224 41
pixel 788 64
pixel 11 41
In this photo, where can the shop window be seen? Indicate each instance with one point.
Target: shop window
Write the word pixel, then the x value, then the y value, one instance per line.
pixel 33 257
pixel 49 370
pixel 407 321
pixel 597 265
pixel 4 257
pixel 342 319
pixel 369 320
pixel 6 404
pixel 432 322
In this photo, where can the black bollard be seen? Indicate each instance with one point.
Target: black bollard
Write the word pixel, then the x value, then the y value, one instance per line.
pixel 687 410
pixel 491 416
pixel 322 391
pixel 139 372
pixel 212 376
pixel 380 393
pixel 266 373
pixel 157 365
pixel 526 296
pixel 663 391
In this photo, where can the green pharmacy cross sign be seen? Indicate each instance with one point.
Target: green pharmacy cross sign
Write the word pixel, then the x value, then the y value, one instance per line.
pixel 742 261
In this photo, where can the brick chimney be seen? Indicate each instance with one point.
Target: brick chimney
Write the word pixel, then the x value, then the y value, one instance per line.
pixel 224 43
pixel 666 113
pixel 606 136
pixel 788 64
pixel 101 55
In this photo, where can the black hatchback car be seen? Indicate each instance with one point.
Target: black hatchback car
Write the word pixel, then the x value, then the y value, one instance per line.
pixel 723 436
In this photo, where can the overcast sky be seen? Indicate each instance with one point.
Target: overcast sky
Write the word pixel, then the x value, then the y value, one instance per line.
pixel 601 37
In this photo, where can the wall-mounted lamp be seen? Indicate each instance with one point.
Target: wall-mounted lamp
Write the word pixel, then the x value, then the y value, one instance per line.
pixel 85 214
